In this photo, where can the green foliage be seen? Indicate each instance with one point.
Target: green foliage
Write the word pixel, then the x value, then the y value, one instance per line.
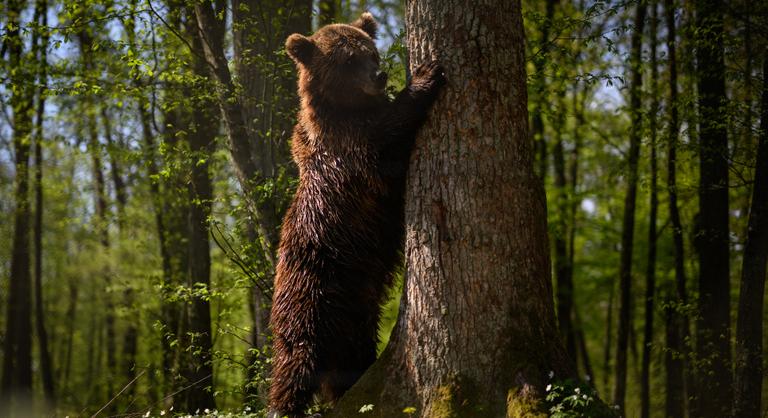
pixel 570 399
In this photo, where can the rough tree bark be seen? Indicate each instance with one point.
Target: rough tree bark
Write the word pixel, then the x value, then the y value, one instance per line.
pixel 650 274
pixel 476 335
pixel 676 323
pixel 628 224
pixel 714 390
pixel 749 331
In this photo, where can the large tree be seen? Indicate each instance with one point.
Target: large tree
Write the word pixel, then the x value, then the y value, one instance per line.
pixel 476 335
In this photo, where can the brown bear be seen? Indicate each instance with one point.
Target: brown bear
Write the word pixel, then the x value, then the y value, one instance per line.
pixel 342 236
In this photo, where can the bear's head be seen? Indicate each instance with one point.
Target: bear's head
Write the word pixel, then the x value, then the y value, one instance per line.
pixel 339 64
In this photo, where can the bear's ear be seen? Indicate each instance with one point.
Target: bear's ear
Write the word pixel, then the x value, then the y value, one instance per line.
pixel 299 48
pixel 367 24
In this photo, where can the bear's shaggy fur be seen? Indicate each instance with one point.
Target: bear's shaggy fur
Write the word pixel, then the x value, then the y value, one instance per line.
pixel 341 238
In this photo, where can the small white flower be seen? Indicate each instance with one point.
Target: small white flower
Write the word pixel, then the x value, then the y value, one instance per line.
pixel 549 387
pixel 146 415
pixel 162 412
pixel 247 409
pixel 207 411
pixel 577 390
pixel 171 408
pixel 584 397
pixel 551 374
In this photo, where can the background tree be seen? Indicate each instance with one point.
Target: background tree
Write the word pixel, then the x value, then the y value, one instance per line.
pixel 16 385
pixel 713 351
pixel 628 224
pixel 749 345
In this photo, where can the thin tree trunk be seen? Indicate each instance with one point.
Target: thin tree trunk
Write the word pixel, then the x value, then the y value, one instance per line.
pixel 540 90
pixel 249 175
pixel 650 275
pixel 130 336
pixel 71 317
pixel 675 357
pixel 101 222
pixel 478 273
pixel 169 310
pixel 174 203
pixel 564 290
pixel 581 343
pixel 16 384
pixel 628 224
pixel 578 108
pixel 714 388
pixel 608 338
pixel 102 229
pixel 46 368
pixel 199 371
pixel 749 331
pixel 121 196
pixel 267 99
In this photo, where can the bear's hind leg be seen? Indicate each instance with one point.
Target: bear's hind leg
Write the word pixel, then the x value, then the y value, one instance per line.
pixel 294 380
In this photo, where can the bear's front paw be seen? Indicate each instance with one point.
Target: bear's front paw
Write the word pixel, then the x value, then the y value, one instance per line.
pixel 429 76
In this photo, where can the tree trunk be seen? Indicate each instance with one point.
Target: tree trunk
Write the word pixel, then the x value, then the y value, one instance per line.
pixel 564 290
pixel 714 389
pixel 578 109
pixel 174 204
pixel 101 226
pixel 46 372
pixel 199 370
pixel 476 335
pixel 608 338
pixel 16 385
pixel 749 331
pixel 115 172
pixel 211 31
pixel 650 275
pixel 540 90
pixel 628 224
pixel 268 99
pixel 130 336
pixel 676 322
pixel 71 317
pixel 173 267
pixel 101 218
